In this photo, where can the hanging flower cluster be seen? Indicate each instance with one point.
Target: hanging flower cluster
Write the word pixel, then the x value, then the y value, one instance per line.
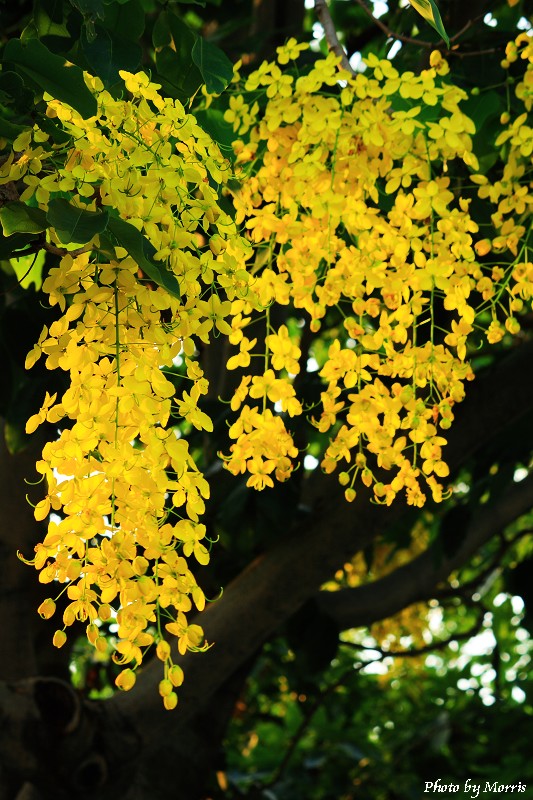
pixel 125 490
pixel 356 196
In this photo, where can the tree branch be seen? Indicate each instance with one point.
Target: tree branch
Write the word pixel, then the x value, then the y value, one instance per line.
pixel 440 644
pixel 324 17
pixel 417 580
pixel 274 586
pixel 401 37
pixel 391 34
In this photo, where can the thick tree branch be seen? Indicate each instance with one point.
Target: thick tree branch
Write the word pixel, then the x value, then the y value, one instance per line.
pixel 417 580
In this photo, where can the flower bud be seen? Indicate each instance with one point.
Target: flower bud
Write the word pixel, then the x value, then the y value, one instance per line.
pixel 175 674
pixel 60 637
pixel 47 608
pixel 163 650
pixel 126 680
pixel 170 701
pixel 165 687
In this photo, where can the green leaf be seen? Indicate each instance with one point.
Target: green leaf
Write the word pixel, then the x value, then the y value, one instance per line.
pixel 58 134
pixel 483 107
pixel 106 53
pixel 29 269
pixel 143 251
pixel 51 74
pixel 161 34
pixel 10 131
pixel 15 438
pixel 89 8
pixel 17 217
pixel 75 224
pixel 214 65
pixel 11 245
pixel 13 91
pixel 430 12
pixel 212 120
pixel 174 42
pixel 50 20
pixel 126 20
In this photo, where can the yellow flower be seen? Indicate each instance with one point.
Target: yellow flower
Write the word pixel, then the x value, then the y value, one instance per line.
pixel 290 51
pixel 285 354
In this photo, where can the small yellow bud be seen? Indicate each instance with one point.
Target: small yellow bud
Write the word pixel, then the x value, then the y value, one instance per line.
pixel 47 608
pixel 350 495
pixel 126 680
pixel 175 674
pixel 165 687
pixel 512 325
pixel 505 118
pixel 163 650
pixel 60 637
pixel 217 244
pixel 146 586
pixel 170 701
pixel 92 633
pixel 212 214
pixel 344 479
pixel 366 477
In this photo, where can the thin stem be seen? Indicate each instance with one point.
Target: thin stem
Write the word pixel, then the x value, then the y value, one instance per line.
pixel 117 361
pixel 420 42
pixel 391 34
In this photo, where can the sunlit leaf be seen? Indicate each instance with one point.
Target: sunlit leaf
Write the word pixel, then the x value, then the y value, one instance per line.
pixel 214 65
pixel 17 217
pixel 74 224
pixel 51 73
pixel 430 12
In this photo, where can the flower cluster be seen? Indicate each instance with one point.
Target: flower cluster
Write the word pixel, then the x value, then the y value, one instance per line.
pixel 125 493
pixel 353 187
pixel 361 254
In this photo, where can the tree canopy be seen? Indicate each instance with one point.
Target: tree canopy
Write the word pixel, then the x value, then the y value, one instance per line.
pixel 266 314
